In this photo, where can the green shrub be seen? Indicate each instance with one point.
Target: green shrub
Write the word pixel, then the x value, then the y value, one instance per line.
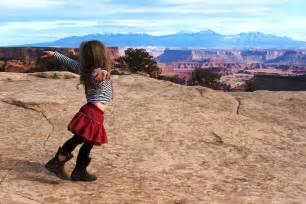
pixel 204 77
pixel 138 60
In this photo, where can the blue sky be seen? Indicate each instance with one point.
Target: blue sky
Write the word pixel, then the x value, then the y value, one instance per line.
pixel 30 21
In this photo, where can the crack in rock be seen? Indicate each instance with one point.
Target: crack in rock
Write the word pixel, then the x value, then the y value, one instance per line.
pixel 28 198
pixel 239 105
pixel 41 112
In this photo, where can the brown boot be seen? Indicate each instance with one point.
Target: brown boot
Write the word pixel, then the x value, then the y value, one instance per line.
pixel 56 166
pixel 80 173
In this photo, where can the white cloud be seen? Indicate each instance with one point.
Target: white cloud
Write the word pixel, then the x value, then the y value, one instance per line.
pixel 24 4
pixel 123 22
pixel 45 25
pixel 224 2
pixel 199 10
pixel 159 17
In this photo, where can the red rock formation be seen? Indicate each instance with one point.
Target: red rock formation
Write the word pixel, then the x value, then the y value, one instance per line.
pixel 21 59
pixel 32 53
pixel 17 66
pixel 252 56
pixel 114 52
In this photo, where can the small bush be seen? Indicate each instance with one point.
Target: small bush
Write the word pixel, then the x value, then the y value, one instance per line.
pixel 138 60
pixel 204 77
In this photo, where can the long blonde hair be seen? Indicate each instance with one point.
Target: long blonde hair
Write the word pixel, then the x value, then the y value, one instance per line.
pixel 93 54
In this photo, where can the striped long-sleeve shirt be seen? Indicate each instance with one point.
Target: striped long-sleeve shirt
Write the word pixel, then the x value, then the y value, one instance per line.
pixel 99 92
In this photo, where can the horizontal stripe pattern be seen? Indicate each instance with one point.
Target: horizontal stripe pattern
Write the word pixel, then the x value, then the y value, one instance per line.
pixel 71 64
pixel 99 92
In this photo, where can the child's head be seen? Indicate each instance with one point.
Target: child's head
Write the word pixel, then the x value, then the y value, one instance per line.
pixel 93 54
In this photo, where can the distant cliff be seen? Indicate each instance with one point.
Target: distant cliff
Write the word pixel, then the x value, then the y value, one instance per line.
pixel 275 57
pixel 176 55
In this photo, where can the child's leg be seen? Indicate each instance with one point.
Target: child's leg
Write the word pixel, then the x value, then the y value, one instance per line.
pixel 80 173
pixel 84 152
pixel 71 144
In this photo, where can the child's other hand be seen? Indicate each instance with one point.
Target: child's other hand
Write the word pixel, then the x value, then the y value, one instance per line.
pixel 101 75
pixel 47 54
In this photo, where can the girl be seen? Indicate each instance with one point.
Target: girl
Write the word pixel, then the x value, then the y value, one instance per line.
pixel 87 125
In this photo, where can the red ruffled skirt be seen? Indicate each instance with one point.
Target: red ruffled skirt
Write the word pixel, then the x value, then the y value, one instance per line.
pixel 89 124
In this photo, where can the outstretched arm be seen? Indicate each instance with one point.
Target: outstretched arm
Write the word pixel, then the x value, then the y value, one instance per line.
pixel 66 61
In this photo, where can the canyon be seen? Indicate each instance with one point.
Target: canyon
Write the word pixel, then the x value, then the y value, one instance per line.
pixel 266 57
pixel 235 66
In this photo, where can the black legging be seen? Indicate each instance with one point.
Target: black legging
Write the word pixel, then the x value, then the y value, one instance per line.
pixel 74 141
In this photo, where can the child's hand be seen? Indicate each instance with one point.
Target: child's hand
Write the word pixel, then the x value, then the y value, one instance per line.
pixel 101 75
pixel 47 54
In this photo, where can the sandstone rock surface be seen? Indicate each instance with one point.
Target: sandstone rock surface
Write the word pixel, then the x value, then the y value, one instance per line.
pixel 167 144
